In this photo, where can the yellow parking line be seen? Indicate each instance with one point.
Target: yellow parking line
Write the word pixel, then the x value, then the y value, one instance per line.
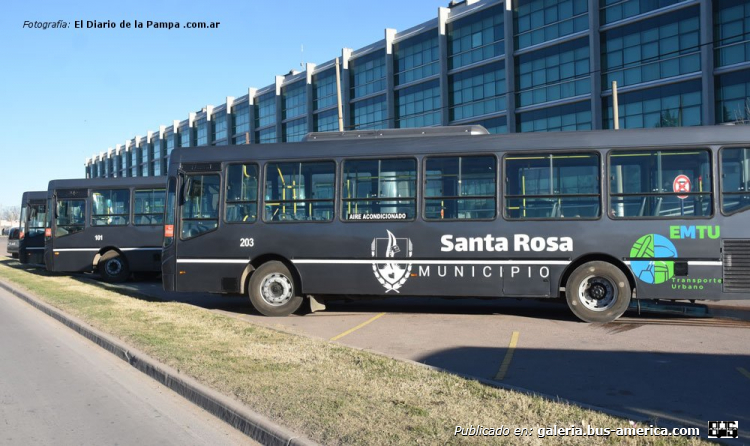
pixel 508 357
pixel 351 330
pixel 744 372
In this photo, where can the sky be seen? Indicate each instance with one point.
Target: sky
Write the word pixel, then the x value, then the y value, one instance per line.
pixel 68 94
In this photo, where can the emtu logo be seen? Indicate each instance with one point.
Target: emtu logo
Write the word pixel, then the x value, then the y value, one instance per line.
pixel 653 247
pixel 391 275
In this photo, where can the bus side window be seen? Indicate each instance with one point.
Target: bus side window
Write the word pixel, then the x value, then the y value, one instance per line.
pixel 660 184
pixel 552 186
pixel 110 207
pixel 299 191
pixel 735 179
pixel 70 216
pixel 149 207
pixel 460 188
pixel 382 188
pixel 241 195
pixel 199 209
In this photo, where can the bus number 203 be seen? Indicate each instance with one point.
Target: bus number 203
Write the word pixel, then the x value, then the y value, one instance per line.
pixel 247 243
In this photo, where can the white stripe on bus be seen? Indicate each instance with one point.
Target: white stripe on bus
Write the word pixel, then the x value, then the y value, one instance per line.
pixel 434 262
pixel 689 262
pixel 98 249
pixel 213 261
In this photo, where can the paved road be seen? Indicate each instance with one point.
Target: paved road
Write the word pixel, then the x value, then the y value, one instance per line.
pixel 57 388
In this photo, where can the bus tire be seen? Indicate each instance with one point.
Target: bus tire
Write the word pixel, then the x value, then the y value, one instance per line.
pixel 271 290
pixel 598 292
pixel 113 267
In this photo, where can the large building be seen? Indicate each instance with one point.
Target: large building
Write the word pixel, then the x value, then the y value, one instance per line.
pixel 514 66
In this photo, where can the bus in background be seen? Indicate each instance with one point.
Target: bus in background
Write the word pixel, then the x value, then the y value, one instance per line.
pixel 33 221
pixel 596 217
pixel 113 225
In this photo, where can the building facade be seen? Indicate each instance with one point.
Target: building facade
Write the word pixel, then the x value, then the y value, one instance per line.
pixel 513 66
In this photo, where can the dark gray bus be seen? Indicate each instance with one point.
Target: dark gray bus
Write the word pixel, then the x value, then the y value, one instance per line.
pixel 599 217
pixel 110 224
pixel 33 221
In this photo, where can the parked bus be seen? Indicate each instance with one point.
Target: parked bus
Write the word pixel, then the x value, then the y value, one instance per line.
pixel 599 217
pixel 33 221
pixel 113 225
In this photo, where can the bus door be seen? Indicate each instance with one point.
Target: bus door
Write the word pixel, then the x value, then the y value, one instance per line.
pixel 33 226
pixel 66 251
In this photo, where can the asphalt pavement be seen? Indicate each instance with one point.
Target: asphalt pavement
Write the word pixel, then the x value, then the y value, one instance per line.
pixel 57 388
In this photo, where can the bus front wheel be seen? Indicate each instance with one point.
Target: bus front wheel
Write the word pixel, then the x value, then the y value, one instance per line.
pixel 113 267
pixel 598 292
pixel 272 290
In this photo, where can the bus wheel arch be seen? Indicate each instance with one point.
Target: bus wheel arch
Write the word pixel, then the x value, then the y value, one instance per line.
pixel 273 288
pixel 602 258
pixel 260 260
pixel 112 265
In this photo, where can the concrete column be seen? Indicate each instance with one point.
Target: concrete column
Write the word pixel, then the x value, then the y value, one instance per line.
pixel 596 65
pixel 390 82
pixel 251 92
pixel 346 96
pixel 309 68
pixel 708 116
pixel 443 49
pixel 279 109
pixel 510 66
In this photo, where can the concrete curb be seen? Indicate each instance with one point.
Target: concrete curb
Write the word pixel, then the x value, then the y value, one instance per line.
pixel 240 417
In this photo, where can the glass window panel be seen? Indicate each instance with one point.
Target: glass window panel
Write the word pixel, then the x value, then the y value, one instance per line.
pixel 668 106
pixel 735 179
pixel 298 192
pixel 200 209
pixel 660 184
pixel 110 207
pixel 70 216
pixel 242 193
pixel 476 37
pixel 386 187
pixel 148 207
pixel 460 188
pixel 538 21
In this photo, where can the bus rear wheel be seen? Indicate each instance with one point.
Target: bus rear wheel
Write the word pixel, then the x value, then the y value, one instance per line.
pixel 113 267
pixel 271 290
pixel 598 292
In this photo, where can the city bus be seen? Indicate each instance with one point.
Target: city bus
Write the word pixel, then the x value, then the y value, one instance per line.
pixel 109 225
pixel 597 218
pixel 33 221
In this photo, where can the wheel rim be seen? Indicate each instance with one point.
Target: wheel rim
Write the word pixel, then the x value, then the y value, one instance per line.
pixel 113 267
pixel 276 289
pixel 597 293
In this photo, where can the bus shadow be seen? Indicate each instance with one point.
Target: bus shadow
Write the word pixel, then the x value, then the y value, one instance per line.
pixel 680 388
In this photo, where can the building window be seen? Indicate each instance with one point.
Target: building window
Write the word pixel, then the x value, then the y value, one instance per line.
pixel 479 36
pixel 385 187
pixel 242 193
pixel 327 121
pixel 477 92
pixel 733 97
pixel 170 143
pixel 460 188
pixel 553 73
pixel 416 58
pixel 731 31
pixel 324 89
pixel 134 160
pixel 539 21
pixel 560 186
pixel 676 105
pixel 555 119
pixel 295 130
pixel 418 105
pixel 266 136
pixel 367 74
pixel 369 114
pixel 265 110
pixel 297 192
pixel 614 10
pixel 220 128
pixel 201 125
pixel 241 123
pixel 185 136
pixel 664 46
pixel 493 125
pixel 643 183
pixel 124 163
pixel 294 100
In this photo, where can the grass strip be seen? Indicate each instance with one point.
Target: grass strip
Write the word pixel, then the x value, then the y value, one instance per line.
pixel 327 392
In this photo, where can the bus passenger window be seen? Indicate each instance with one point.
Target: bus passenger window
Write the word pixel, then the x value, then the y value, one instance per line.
pixel 299 192
pixel 379 190
pixel 241 193
pixel 660 184
pixel 149 207
pixel 552 186
pixel 70 216
pixel 460 188
pixel 110 207
pixel 200 213
pixel 36 219
pixel 735 180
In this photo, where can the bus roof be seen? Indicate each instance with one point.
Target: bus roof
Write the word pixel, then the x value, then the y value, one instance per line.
pixel 87 183
pixel 34 195
pixel 702 136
